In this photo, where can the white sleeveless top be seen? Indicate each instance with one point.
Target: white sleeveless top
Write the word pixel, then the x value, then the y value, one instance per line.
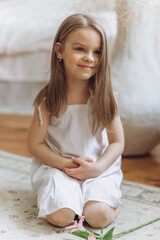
pixel 70 135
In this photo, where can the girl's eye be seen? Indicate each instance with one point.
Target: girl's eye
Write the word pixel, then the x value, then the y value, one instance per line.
pixel 97 52
pixel 79 49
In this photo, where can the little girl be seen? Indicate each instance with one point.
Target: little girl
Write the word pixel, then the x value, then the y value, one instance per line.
pixel 76 136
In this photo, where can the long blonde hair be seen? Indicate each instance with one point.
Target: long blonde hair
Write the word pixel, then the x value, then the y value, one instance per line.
pixel 103 105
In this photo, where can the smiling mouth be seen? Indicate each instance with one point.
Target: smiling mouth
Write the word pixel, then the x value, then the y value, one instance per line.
pixel 86 67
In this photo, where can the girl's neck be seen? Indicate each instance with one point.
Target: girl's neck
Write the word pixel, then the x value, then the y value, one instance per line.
pixel 77 92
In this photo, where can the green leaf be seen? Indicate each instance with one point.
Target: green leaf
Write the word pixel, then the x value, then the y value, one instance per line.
pixel 96 234
pixel 102 230
pixel 85 234
pixel 82 234
pixel 109 235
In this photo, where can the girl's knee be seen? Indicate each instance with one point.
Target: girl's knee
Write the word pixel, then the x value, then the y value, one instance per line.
pixel 99 214
pixel 62 217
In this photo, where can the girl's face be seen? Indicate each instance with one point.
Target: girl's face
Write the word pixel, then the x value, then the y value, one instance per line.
pixel 81 54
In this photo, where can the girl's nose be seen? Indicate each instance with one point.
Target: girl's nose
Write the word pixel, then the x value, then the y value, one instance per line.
pixel 89 57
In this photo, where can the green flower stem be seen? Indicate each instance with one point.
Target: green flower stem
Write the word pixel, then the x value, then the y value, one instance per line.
pixel 134 229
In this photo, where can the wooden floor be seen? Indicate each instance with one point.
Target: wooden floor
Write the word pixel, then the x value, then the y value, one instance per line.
pixel 13 138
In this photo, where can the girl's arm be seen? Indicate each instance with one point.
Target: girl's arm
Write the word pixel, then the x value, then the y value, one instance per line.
pixel 115 147
pixel 88 169
pixel 36 142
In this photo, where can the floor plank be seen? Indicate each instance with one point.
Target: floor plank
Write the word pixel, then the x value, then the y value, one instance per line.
pixel 144 170
pixel 13 133
pixel 13 138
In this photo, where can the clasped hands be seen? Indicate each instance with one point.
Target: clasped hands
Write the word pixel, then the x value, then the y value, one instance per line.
pixel 84 168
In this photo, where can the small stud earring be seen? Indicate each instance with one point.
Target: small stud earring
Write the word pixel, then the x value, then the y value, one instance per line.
pixel 59 59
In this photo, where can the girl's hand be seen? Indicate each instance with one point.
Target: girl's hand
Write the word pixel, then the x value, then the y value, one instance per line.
pixel 85 170
pixel 70 164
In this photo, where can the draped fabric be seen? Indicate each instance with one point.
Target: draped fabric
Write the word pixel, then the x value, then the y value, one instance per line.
pixel 136 73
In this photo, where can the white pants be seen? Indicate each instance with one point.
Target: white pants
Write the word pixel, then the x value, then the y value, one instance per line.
pixel 56 190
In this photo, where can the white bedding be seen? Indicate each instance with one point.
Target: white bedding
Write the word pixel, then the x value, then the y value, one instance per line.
pixel 27 26
pixel 28 67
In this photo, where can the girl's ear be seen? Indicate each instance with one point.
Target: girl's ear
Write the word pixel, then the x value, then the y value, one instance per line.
pixel 58 49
